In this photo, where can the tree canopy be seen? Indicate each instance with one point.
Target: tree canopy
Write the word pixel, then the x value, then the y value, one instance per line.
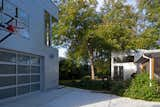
pixel 91 36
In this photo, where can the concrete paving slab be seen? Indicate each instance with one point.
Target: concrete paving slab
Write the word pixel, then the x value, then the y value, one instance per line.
pixel 72 97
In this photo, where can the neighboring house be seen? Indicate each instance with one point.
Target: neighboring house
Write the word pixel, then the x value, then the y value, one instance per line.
pixel 149 61
pixel 122 65
pixel 28 63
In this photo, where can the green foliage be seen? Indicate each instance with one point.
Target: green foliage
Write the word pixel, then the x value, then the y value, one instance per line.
pixel 118 24
pixel 69 69
pixel 140 88
pixel 149 22
pixel 119 87
pixel 117 28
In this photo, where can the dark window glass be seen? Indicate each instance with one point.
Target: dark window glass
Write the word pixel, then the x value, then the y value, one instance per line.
pixel 23 59
pixel 124 59
pixel 47 29
pixel 23 79
pixel 118 60
pixel 23 89
pixel 35 87
pixel 23 69
pixel 7 57
pixel 35 69
pixel 35 78
pixel 35 60
pixel 157 65
pixel 5 93
pixel 6 81
pixel 7 69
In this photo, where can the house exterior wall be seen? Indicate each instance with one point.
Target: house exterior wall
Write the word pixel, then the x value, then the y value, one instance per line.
pixel 35 44
pixel 128 67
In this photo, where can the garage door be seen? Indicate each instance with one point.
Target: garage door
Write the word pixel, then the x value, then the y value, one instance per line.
pixel 19 74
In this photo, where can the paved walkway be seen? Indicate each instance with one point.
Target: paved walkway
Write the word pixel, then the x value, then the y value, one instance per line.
pixel 70 97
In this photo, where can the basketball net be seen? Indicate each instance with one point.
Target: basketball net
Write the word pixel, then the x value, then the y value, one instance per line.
pixel 11 28
pixel 17 31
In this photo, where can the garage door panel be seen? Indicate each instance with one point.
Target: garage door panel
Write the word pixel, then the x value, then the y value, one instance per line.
pixel 23 69
pixel 35 69
pixel 7 69
pixel 19 74
pixel 23 59
pixel 35 87
pixel 7 80
pixel 23 89
pixel 35 78
pixel 7 57
pixel 5 93
pixel 23 79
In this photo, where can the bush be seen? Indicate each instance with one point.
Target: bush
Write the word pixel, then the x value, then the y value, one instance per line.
pixel 86 78
pixel 119 87
pixel 140 88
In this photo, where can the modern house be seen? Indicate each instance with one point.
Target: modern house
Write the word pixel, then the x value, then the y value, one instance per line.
pixel 149 61
pixel 122 65
pixel 28 62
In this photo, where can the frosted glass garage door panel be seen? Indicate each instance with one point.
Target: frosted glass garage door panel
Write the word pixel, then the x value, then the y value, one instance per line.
pixel 35 78
pixel 7 69
pixel 23 69
pixel 23 89
pixel 35 87
pixel 23 59
pixel 7 81
pixel 5 93
pixel 35 69
pixel 23 79
pixel 7 57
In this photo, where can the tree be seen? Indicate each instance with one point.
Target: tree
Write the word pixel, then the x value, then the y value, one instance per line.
pixel 91 37
pixel 149 22
pixel 77 21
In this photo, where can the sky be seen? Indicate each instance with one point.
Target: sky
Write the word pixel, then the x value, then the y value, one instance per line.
pixel 62 51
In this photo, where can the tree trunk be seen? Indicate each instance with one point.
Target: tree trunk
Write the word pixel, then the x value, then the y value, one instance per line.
pixel 92 64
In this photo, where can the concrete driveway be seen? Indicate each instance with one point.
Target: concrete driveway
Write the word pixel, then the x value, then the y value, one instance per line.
pixel 71 97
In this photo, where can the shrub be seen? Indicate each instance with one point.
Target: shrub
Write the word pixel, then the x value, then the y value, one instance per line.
pixel 119 87
pixel 86 78
pixel 140 88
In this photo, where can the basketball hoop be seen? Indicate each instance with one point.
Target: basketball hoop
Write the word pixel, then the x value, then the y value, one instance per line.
pixel 13 21
pixel 11 28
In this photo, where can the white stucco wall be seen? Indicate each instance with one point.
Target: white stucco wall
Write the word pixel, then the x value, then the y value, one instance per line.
pixel 35 44
pixel 129 67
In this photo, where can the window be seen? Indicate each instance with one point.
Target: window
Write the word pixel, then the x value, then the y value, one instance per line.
pixel 157 65
pixel 124 59
pixel 49 24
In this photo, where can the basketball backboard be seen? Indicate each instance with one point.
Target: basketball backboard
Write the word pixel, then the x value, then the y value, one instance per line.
pixel 10 14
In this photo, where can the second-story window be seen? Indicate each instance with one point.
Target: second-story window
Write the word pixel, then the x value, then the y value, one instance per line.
pixel 50 21
pixel 124 59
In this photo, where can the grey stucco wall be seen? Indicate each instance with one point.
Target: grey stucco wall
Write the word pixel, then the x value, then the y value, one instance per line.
pixel 35 44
